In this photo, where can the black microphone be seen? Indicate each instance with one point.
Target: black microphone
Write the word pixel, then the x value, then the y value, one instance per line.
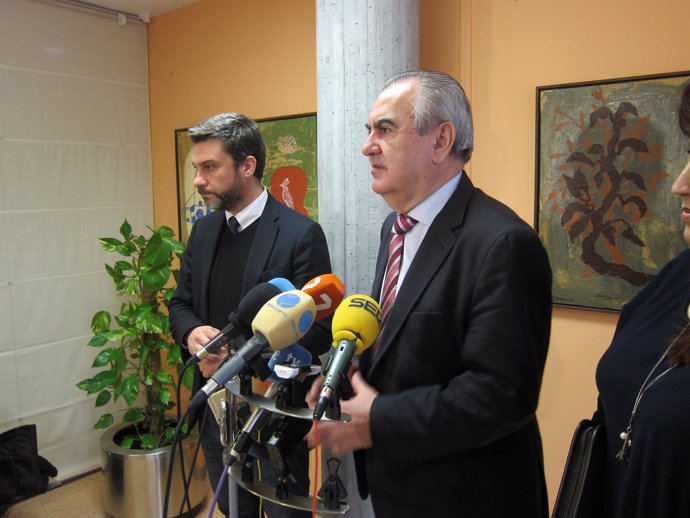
pixel 282 321
pixel 296 356
pixel 239 328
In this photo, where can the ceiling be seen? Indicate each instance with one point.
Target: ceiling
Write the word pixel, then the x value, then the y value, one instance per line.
pixel 153 7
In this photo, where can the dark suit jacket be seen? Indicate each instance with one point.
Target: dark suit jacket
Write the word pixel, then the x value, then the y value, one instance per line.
pixel 459 369
pixel 287 244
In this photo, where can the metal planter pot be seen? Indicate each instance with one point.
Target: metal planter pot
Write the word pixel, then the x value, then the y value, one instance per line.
pixel 135 480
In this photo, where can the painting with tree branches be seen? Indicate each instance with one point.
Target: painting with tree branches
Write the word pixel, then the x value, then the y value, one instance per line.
pixel 607 155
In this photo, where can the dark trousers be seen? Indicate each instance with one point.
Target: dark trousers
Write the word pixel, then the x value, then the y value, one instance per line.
pixel 247 503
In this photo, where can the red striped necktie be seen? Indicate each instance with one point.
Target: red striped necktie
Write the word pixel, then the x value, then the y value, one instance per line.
pixel 402 224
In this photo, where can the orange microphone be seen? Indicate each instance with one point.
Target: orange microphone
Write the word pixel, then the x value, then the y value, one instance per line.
pixel 328 291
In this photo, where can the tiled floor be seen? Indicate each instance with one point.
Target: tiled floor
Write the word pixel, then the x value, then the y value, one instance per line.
pixel 80 498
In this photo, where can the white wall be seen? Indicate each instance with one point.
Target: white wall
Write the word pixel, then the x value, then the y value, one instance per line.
pixel 74 162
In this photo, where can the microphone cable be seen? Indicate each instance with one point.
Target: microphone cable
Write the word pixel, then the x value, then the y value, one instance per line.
pixel 186 481
pixel 316 467
pixel 168 482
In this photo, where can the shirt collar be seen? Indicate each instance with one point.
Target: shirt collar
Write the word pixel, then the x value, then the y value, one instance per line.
pixel 251 212
pixel 428 209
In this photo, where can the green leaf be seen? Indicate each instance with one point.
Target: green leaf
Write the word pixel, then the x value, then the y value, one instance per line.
pixel 127 442
pixel 115 274
pixel 158 252
pixel 132 287
pixel 124 266
pixel 133 415
pixel 106 356
pixel 169 294
pixel 188 379
pixel 90 386
pixel 174 355
pixel 103 398
pixel 110 244
pixel 104 421
pixel 141 312
pixel 165 232
pixel 126 229
pixel 115 335
pixel 169 434
pixel 155 279
pixel 106 378
pixel 100 322
pixel 164 378
pixel 149 322
pixel 130 389
pixel 148 441
pixel 98 340
pixel 164 396
pixel 178 246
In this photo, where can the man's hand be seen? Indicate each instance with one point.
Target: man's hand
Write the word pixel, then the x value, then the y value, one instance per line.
pixel 343 438
pixel 196 340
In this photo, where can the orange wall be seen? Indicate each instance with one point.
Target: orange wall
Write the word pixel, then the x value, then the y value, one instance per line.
pixel 260 57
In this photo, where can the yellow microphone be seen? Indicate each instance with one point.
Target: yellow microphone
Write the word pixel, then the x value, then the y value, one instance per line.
pixel 356 325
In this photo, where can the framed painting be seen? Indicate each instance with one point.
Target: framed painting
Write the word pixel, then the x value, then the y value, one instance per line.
pixel 607 153
pixel 290 173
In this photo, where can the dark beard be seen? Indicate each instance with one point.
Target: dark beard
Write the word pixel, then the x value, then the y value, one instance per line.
pixel 227 200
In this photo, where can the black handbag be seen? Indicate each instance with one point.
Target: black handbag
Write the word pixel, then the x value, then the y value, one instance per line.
pixel 580 494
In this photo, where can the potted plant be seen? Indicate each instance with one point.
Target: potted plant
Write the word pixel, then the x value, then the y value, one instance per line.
pixel 136 355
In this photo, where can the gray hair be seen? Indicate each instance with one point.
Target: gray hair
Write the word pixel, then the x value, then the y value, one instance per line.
pixel 240 136
pixel 440 98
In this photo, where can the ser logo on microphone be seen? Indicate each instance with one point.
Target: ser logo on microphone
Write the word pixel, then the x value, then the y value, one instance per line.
pixel 367 305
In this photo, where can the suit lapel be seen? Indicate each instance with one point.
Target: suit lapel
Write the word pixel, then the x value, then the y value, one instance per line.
pixel 266 232
pixel 207 250
pixel 437 244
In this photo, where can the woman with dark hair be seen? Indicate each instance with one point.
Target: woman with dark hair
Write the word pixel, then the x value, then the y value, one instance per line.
pixel 644 386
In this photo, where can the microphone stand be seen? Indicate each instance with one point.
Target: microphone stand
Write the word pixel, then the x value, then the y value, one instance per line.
pixel 333 490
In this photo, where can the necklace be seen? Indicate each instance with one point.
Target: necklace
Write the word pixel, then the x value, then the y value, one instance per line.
pixel 626 436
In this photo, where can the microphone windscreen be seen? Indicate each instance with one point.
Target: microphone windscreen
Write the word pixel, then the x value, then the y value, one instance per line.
pixel 285 318
pixel 328 291
pixel 253 301
pixel 357 319
pixel 282 284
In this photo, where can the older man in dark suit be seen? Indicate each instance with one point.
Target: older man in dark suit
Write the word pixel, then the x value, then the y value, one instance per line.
pixel 249 239
pixel 443 417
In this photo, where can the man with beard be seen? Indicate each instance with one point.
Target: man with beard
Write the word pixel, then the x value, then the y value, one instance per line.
pixel 250 238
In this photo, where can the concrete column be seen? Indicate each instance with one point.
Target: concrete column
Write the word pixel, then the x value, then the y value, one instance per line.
pixel 359 44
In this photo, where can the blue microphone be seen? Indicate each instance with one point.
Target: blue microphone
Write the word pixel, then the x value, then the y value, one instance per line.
pixel 282 284
pixel 291 363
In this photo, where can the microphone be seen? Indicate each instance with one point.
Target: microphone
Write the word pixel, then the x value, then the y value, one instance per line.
pixel 240 319
pixel 356 325
pixel 244 440
pixel 282 321
pixel 291 363
pixel 282 284
pixel 294 356
pixel 328 291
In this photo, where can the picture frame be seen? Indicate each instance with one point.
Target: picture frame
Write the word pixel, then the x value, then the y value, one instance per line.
pixel 607 153
pixel 290 173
